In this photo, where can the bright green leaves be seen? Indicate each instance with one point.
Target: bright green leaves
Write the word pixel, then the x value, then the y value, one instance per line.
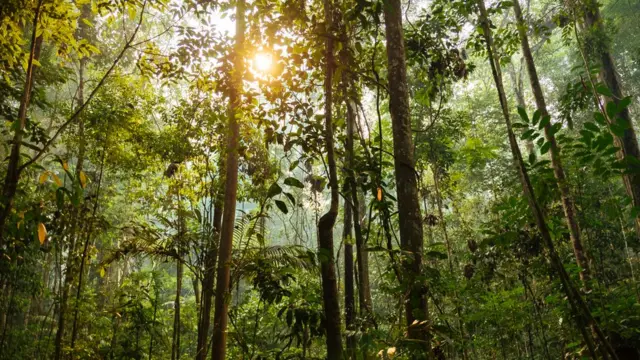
pixel 533 131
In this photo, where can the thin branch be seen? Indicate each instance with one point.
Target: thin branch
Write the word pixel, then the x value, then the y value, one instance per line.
pixel 93 93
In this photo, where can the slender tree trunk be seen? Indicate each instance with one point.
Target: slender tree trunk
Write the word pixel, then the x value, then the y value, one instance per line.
pixel 328 220
pixel 568 203
pixel 349 291
pixel 578 305
pixel 13 169
pixel 209 273
pixel 155 313
pixel 443 223
pixel 220 320
pixel 362 256
pixel 450 258
pixel 411 236
pixel 628 142
pixel 175 344
pixel 83 34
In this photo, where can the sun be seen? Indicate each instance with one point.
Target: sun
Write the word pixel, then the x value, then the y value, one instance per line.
pixel 263 62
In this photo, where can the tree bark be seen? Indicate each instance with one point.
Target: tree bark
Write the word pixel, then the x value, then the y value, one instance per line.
pixel 349 288
pixel 577 303
pixel 328 220
pixel 210 271
pixel 83 29
pixel 568 204
pixel 220 320
pixel 362 256
pixel 13 169
pixel 175 344
pixel 628 143
pixel 410 220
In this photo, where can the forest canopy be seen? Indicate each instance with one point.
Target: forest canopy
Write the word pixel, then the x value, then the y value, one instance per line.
pixel 319 179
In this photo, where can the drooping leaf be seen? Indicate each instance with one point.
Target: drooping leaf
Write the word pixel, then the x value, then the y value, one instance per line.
pixel 83 179
pixel 274 190
pixel 56 179
pixel 545 148
pixel 282 206
pixel 43 177
pixel 544 122
pixel 523 114
pixel 602 89
pixel 291 181
pixel 591 126
pixel 42 233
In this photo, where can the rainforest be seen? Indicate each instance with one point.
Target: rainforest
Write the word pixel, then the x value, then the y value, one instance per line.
pixel 319 179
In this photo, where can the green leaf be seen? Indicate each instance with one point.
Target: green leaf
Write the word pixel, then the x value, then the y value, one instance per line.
pixel 291 181
pixel 617 130
pixel 536 117
pixel 274 190
pixel 555 128
pixel 602 89
pixel 544 122
pixel 600 118
pixel 527 134
pixel 282 206
pixel 591 127
pixel 624 103
pixel 523 114
pixel 519 125
pixel 545 148
pixel 291 198
pixel 612 110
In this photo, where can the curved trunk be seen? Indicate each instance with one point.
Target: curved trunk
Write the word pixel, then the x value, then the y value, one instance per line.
pixel 328 220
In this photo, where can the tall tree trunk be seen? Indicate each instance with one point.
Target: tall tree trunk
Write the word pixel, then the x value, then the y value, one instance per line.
pixel 219 338
pixel 411 236
pixel 568 203
pixel 175 344
pixel 328 220
pixel 13 169
pixel 577 303
pixel 349 288
pixel 628 142
pixel 83 34
pixel 362 256
pixel 210 271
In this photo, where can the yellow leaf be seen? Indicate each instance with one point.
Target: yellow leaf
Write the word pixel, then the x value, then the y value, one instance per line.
pixel 379 195
pixel 391 351
pixel 42 233
pixel 83 179
pixel 56 179
pixel 43 177
pixel 102 272
pixel 65 166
